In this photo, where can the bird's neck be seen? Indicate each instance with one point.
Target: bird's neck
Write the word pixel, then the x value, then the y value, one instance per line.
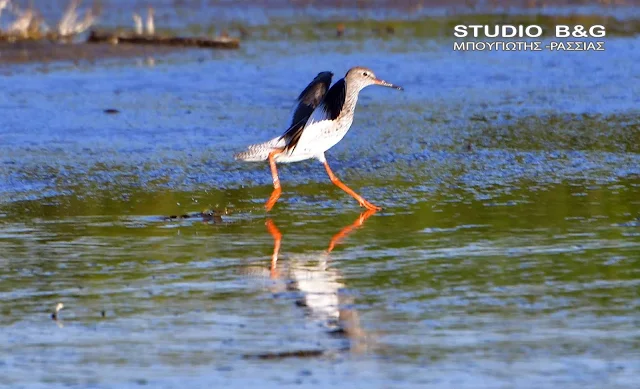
pixel 350 101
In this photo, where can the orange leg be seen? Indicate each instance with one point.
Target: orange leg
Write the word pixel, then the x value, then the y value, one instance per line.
pixel 345 231
pixel 339 184
pixel 277 238
pixel 275 195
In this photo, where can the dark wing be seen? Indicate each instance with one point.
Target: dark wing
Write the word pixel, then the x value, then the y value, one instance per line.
pixel 311 97
pixel 308 100
pixel 334 100
pixel 328 110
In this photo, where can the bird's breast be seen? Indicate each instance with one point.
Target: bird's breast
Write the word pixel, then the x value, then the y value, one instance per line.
pixel 321 136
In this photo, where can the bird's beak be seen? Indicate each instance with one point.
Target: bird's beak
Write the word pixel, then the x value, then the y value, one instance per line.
pixel 388 84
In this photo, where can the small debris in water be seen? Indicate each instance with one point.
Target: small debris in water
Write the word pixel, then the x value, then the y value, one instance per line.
pixel 207 215
pixel 287 354
pixel 111 111
pixel 174 217
pixel 479 118
pixel 103 313
pixel 59 307
pixel 305 373
pixel 244 32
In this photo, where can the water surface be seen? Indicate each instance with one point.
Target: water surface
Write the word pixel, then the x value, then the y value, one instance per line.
pixel 506 254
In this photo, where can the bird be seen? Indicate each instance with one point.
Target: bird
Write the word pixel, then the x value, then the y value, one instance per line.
pixel 320 120
pixel 69 24
pixel 137 23
pixel 150 25
pixel 21 25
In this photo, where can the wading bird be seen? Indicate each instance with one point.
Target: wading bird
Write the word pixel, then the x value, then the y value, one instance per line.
pixel 137 23
pixel 322 118
pixel 150 25
pixel 70 25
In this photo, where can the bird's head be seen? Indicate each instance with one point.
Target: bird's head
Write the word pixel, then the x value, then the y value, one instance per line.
pixel 362 77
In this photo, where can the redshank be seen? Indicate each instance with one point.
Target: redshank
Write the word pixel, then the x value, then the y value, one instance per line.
pixel 321 119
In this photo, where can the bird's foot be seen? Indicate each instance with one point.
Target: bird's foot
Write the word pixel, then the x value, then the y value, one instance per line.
pixel 364 216
pixel 369 206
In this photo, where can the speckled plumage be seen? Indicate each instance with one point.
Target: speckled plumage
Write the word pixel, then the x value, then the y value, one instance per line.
pixel 307 101
pixel 327 124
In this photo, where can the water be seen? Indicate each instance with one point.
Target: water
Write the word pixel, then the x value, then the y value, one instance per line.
pixel 506 254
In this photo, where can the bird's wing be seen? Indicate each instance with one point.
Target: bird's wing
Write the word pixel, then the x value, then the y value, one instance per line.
pixel 311 97
pixel 308 100
pixel 331 105
pixel 323 117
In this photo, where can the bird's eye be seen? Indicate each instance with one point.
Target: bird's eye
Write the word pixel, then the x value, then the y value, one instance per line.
pixel 365 74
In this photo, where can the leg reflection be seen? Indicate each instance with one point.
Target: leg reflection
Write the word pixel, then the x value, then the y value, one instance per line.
pixel 277 238
pixel 337 238
pixel 319 288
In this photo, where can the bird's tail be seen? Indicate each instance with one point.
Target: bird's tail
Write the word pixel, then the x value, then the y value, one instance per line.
pixel 260 151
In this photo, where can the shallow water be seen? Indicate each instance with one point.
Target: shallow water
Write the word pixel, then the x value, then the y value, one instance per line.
pixel 506 254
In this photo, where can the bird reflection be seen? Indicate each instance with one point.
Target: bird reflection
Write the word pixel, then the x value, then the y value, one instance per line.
pixel 319 285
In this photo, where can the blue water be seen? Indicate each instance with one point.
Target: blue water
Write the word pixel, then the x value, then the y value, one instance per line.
pixel 506 255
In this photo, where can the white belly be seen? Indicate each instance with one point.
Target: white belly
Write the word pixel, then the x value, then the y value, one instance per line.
pixel 321 136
